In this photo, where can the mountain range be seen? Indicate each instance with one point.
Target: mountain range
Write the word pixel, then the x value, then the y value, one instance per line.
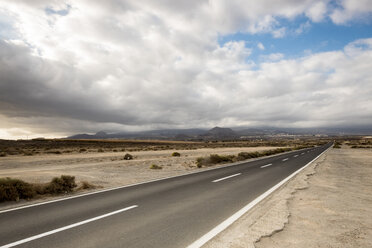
pixel 220 133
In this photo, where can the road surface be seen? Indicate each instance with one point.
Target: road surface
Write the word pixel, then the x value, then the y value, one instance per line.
pixel 173 212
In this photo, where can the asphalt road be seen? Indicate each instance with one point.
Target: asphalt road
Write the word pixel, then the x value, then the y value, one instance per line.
pixel 168 213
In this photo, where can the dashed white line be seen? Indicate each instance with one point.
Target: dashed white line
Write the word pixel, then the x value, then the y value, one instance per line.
pixel 295 156
pixel 66 227
pixel 222 226
pixel 302 153
pixel 263 166
pixel 285 159
pixel 224 178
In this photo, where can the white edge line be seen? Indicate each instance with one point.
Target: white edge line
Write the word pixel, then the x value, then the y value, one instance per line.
pixel 224 178
pixel 135 184
pixel 211 234
pixel 263 166
pixel 22 241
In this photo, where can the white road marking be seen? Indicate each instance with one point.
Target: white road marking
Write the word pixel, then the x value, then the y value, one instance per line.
pixel 119 187
pixel 212 233
pixel 263 166
pixel 285 159
pixel 295 156
pixel 218 180
pixel 302 153
pixel 66 227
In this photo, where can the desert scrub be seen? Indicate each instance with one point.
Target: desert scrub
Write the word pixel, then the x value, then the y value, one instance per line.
pixel 63 184
pixel 100 150
pixel 214 159
pixel 128 156
pixel 2 154
pixel 15 189
pixel 336 145
pixel 217 159
pixel 82 150
pixel 176 154
pixel 155 167
pixel 87 185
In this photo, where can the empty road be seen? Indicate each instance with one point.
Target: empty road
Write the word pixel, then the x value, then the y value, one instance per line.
pixel 173 212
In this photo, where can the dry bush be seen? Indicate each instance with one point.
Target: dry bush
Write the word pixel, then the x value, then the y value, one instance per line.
pixel 87 185
pixel 155 167
pixel 15 189
pixel 176 154
pixel 63 184
pixel 128 156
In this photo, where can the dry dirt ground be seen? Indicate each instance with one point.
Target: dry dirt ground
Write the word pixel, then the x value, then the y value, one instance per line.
pixel 108 169
pixel 329 205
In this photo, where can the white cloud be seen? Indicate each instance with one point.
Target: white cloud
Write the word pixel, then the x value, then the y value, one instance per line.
pixel 272 57
pixel 303 28
pixel 350 10
pixel 260 46
pixel 279 33
pixel 317 11
pixel 143 64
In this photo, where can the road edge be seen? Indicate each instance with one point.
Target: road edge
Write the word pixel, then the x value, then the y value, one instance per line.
pixel 140 183
pixel 229 221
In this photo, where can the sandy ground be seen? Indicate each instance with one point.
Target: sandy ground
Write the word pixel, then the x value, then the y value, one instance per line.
pixel 329 204
pixel 108 169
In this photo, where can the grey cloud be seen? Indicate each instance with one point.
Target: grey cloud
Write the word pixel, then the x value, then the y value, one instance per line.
pixel 136 64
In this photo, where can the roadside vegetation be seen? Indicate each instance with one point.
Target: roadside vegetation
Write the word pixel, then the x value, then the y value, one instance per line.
pixel 360 143
pixel 155 167
pixel 65 146
pixel 217 159
pixel 12 189
pixel 337 144
pixel 128 156
pixel 176 154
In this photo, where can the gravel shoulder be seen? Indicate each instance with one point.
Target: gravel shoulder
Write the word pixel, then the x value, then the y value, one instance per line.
pixel 327 205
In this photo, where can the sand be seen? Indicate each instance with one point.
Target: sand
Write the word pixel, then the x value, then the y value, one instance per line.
pixel 107 170
pixel 329 204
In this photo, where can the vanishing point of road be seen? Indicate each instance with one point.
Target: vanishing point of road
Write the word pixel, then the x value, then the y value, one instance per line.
pixel 173 212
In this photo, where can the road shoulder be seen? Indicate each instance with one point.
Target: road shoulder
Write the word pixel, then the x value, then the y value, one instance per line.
pixel 324 205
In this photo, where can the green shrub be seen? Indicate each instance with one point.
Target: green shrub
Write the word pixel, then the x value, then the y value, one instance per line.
pixel 15 189
pixel 63 184
pixel 176 154
pixel 155 167
pixel 128 156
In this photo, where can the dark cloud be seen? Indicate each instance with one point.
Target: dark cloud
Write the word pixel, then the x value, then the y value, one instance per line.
pixel 118 65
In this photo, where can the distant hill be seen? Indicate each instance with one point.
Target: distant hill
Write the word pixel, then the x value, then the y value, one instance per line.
pixel 221 133
pixel 166 134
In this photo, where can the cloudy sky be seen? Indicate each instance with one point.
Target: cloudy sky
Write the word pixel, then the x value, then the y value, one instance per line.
pixel 83 66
